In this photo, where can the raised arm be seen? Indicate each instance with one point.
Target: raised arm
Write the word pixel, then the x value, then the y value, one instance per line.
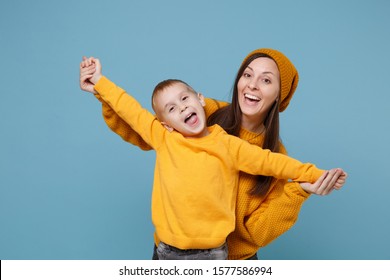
pixel 130 112
pixel 112 119
pixel 120 127
pixel 127 133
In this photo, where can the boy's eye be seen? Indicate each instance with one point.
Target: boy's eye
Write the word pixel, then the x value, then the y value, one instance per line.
pixel 171 109
pixel 185 98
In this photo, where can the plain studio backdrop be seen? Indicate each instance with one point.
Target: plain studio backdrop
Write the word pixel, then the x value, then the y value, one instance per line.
pixel 72 189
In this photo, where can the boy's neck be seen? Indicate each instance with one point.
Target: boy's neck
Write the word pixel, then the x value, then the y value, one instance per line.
pixel 205 132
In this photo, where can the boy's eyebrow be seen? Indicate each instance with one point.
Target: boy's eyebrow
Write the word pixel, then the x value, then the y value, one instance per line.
pixel 166 105
pixel 180 93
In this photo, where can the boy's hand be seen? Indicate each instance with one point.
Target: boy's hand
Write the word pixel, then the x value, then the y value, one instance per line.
pixel 90 73
pixel 329 181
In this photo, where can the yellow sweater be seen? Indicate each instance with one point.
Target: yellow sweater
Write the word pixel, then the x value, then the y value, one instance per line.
pixel 196 209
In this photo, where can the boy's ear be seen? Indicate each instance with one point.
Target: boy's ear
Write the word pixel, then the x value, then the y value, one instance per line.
pixel 167 126
pixel 201 99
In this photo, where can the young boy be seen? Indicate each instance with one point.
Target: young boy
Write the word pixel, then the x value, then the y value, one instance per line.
pixel 197 167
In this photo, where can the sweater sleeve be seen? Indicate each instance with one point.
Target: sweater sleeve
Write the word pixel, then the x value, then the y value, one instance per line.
pixel 120 127
pixel 254 160
pixel 128 134
pixel 277 213
pixel 128 113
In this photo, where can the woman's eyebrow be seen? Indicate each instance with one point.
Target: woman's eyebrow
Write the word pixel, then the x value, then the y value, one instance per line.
pixel 265 72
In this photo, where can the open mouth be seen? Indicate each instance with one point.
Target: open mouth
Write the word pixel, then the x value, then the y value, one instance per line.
pixel 191 118
pixel 252 98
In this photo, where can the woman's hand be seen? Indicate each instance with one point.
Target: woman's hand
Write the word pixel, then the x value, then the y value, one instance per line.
pixel 329 181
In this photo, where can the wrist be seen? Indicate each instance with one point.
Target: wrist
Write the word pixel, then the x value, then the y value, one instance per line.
pixel 304 188
pixel 95 79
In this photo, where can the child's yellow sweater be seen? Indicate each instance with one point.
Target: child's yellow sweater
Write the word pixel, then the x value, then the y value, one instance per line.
pixel 195 180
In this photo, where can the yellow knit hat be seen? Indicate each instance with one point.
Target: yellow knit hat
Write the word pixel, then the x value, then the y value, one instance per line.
pixel 288 75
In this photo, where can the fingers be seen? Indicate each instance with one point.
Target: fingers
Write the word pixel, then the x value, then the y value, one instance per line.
pixel 333 179
pixel 326 187
pixel 323 177
pixel 87 61
pixel 85 77
pixel 340 181
pixel 87 70
pixel 86 74
pixel 85 85
pixel 98 65
pixel 329 181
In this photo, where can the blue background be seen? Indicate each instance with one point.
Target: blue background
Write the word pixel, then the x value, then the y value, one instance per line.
pixel 71 189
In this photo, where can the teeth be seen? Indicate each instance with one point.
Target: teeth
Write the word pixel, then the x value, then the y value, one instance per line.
pixel 253 97
pixel 188 117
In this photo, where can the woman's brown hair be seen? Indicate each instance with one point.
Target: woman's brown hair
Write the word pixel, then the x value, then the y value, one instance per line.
pixel 229 118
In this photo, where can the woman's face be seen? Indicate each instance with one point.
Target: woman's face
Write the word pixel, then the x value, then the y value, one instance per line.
pixel 258 88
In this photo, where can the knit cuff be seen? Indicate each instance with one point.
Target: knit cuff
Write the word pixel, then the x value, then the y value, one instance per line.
pixel 102 84
pixel 297 189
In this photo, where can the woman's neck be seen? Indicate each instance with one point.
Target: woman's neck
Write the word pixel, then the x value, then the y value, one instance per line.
pixel 253 126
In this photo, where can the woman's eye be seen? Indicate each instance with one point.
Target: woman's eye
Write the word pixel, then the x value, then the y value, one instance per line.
pixel 267 81
pixel 246 75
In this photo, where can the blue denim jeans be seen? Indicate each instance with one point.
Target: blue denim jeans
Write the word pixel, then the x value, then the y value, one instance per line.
pixel 167 252
pixel 155 256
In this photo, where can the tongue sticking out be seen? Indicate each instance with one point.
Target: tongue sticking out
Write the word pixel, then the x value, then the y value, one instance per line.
pixel 192 119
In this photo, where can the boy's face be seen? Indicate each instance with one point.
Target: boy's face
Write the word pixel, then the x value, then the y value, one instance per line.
pixel 181 109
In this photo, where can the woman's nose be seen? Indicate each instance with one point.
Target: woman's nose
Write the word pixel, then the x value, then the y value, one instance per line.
pixel 252 85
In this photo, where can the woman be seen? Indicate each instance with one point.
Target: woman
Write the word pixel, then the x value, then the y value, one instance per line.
pixel 266 208
pixel 264 86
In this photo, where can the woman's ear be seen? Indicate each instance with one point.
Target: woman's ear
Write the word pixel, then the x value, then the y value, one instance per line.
pixel 167 126
pixel 201 99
